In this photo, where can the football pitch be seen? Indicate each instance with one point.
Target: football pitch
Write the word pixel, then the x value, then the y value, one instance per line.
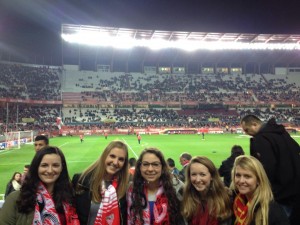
pixel 79 155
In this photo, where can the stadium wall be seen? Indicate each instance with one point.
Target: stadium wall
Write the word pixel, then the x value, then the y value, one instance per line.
pixel 70 131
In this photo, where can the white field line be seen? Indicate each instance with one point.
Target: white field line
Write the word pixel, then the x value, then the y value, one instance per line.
pixel 2 152
pixel 136 156
pixel 63 144
pixel 295 136
pixel 9 151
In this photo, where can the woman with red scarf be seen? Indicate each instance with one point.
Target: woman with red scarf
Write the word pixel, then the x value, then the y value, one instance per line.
pixel 100 191
pixel 45 196
pixel 205 199
pixel 254 203
pixel 152 197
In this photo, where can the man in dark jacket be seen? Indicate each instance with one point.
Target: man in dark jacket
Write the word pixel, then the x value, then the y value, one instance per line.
pixel 226 166
pixel 279 154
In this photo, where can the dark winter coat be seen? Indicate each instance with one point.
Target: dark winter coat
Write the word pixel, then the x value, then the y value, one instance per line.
pixel 225 170
pixel 279 154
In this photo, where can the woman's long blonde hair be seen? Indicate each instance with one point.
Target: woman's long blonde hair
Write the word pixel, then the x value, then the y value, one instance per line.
pixel 217 198
pixel 97 172
pixel 258 209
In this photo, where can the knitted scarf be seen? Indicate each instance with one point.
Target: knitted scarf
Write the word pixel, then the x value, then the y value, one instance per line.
pixel 108 213
pixel 240 209
pixel 160 209
pixel 48 214
pixel 16 185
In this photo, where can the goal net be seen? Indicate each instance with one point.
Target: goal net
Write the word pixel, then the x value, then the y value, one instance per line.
pixel 14 140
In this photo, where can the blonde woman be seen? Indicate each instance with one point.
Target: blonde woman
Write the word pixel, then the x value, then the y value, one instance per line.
pixel 100 190
pixel 205 199
pixel 254 203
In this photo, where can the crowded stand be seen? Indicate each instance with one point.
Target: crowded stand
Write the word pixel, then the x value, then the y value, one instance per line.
pixel 29 82
pixel 211 88
pixel 108 99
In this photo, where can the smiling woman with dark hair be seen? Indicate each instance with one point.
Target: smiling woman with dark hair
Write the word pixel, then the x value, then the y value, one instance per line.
pixel 152 197
pixel 46 194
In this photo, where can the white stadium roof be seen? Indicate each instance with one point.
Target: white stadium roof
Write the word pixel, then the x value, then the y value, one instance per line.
pixel 174 36
pixel 106 45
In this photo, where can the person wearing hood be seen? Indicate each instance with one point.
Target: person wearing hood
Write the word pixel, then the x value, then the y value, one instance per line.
pixel 279 153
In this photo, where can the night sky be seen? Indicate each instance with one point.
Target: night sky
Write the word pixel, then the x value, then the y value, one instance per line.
pixel 34 26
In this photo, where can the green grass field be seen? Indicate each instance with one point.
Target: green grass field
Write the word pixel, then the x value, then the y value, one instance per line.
pixel 79 155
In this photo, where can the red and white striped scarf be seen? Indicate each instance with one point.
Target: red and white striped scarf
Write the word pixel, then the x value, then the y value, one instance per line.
pixel 48 215
pixel 160 209
pixel 109 213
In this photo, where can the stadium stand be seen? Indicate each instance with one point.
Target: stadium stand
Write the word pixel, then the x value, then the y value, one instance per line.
pixel 136 99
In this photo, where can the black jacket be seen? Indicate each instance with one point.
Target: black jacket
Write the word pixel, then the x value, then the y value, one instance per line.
pixel 225 170
pixel 83 201
pixel 279 154
pixel 9 189
pixel 276 215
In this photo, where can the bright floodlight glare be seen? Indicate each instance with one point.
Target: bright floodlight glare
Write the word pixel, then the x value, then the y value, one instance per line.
pixel 123 41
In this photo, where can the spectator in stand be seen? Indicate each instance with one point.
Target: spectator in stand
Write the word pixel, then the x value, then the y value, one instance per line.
pixel 254 202
pixel 177 183
pixel 14 184
pixel 25 172
pixel 279 153
pixel 226 166
pixel 40 142
pixel 46 195
pixel 172 168
pixel 184 160
pixel 100 190
pixel 205 199
pixel 151 198
pixel 131 170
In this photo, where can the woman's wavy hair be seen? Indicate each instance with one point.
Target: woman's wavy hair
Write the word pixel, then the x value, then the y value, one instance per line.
pixel 258 209
pixel 216 198
pixel 13 177
pixel 97 172
pixel 139 200
pixel 62 191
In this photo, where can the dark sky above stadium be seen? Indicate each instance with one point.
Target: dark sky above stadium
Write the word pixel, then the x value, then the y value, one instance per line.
pixel 34 25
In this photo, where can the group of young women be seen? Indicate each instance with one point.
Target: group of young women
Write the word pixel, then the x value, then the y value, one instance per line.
pixel 102 194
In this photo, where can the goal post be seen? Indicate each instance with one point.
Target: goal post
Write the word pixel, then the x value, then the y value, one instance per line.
pixel 15 139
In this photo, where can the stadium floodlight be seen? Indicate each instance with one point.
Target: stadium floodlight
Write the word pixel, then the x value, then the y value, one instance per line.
pixel 157 44
pixel 155 40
